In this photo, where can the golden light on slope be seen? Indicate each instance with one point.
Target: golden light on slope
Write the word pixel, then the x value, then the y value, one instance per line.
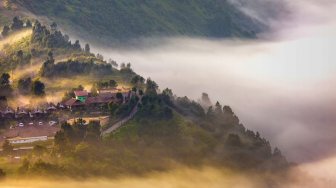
pixel 183 178
pixel 14 37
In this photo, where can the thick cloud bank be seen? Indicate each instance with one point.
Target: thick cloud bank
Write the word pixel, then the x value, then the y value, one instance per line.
pixel 283 88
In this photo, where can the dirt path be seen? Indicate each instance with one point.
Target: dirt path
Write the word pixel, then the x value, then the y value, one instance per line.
pixel 121 122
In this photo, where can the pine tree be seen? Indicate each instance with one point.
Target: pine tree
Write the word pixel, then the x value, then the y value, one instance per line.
pixel 77 45
pixel 28 24
pixel 17 24
pixel 87 48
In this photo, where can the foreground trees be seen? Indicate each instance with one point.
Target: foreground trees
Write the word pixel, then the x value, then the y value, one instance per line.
pixel 71 135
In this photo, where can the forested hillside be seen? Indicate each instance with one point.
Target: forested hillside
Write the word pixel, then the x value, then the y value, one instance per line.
pixel 163 131
pixel 124 20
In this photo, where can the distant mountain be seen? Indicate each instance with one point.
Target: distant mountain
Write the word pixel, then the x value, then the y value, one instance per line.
pixel 124 20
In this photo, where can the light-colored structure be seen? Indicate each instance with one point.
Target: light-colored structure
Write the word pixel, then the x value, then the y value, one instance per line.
pixel 19 140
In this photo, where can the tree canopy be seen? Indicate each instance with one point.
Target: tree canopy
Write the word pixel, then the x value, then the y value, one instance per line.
pixel 38 88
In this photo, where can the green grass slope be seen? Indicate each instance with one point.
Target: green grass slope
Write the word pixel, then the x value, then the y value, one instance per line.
pixel 124 20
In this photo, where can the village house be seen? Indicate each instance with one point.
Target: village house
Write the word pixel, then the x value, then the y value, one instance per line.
pixel 81 95
pixel 8 113
pixel 21 113
pixel 60 106
pixel 51 108
pixel 37 113
pixel 25 113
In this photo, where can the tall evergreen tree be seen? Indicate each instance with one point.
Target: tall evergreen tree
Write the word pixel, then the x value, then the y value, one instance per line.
pixel 87 48
pixel 28 24
pixel 17 24
pixel 77 45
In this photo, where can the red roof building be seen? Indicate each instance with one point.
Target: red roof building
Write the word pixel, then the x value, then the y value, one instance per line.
pixel 81 93
pixel 83 99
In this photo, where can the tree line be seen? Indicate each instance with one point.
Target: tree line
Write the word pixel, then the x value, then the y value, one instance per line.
pixel 25 86
pixel 16 25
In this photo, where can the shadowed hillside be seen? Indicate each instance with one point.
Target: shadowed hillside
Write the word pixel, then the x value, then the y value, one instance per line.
pixel 124 20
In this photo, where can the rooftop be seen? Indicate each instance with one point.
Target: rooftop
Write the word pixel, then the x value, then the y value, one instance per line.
pixel 81 93
pixel 73 102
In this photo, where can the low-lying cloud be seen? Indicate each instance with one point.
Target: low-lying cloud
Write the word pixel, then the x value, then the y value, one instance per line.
pixel 193 178
pixel 282 88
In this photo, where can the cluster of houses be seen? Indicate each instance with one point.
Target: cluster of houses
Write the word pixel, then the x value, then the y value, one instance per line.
pixel 83 100
pixel 86 100
pixel 24 113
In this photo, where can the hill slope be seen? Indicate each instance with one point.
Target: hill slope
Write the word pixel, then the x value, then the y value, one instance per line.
pixel 124 20
pixel 166 131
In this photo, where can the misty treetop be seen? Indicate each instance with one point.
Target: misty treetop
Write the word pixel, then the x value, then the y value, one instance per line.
pixel 16 24
pixel 42 40
pixel 73 67
pixel 52 38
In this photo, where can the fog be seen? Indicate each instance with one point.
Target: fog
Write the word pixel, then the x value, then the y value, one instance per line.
pixel 188 178
pixel 280 85
pixel 183 177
